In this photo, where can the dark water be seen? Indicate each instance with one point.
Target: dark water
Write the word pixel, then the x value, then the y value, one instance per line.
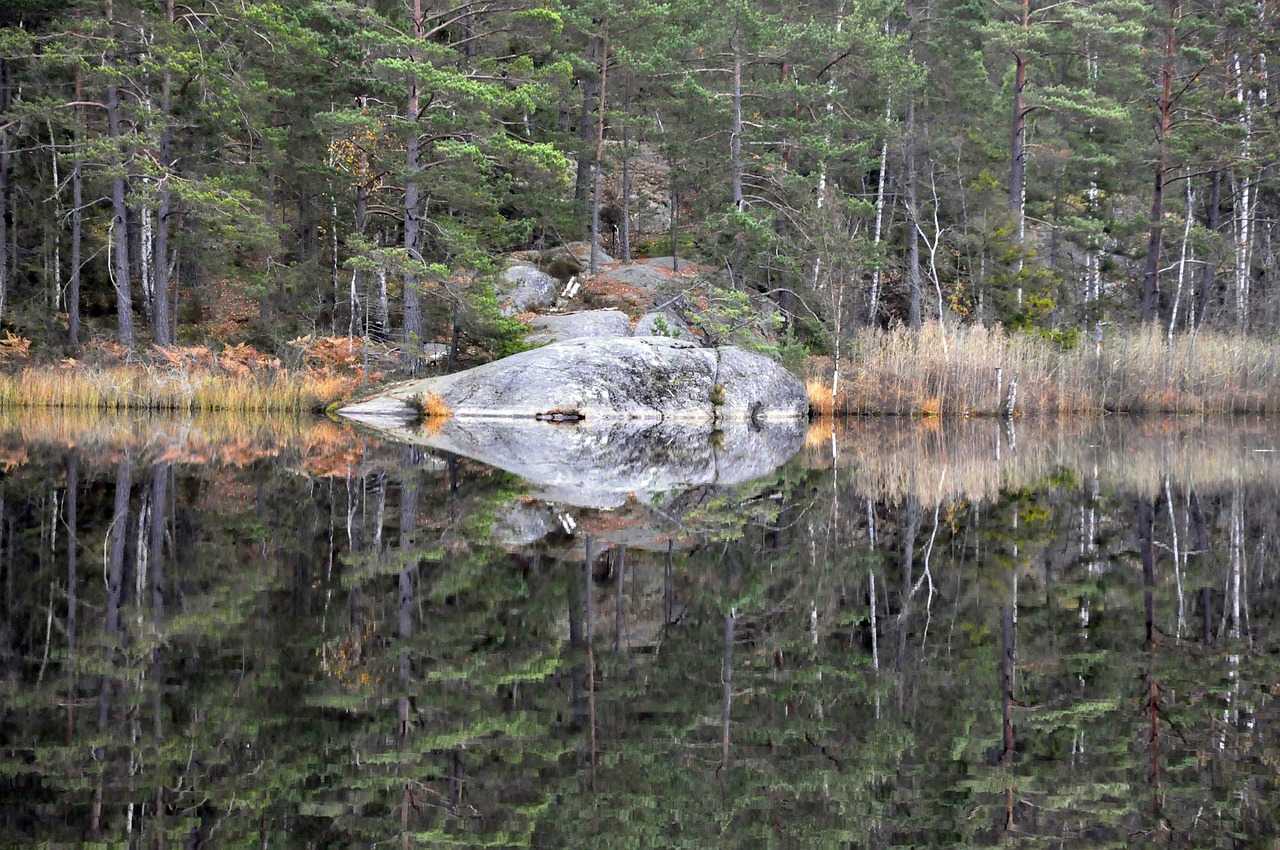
pixel 291 634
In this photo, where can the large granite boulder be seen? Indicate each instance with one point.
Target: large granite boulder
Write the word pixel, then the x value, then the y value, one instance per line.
pixel 644 378
pixel 522 287
pixel 600 324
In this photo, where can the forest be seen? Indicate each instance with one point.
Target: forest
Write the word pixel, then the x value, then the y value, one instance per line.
pixel 180 173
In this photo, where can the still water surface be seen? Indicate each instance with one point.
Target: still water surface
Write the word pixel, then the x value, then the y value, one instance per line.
pixel 294 633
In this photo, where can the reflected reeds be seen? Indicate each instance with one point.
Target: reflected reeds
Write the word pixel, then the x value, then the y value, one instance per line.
pixel 314 445
pixel 975 459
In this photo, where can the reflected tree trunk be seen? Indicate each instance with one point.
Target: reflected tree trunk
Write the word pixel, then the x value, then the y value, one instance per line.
pixel 1206 616
pixel 111 622
pixel 590 609
pixel 1007 657
pixel 577 650
pixel 404 626
pixel 1146 548
pixel 726 694
pixel 405 595
pixel 620 567
pixel 73 584
pixel 910 529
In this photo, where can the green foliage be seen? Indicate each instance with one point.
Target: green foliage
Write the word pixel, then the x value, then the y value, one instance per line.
pixel 488 326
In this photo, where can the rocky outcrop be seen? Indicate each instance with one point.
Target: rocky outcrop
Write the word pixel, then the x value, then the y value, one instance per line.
pixel 653 379
pixel 599 324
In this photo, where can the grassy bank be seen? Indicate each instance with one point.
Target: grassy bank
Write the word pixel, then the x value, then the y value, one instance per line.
pixel 192 379
pixel 971 370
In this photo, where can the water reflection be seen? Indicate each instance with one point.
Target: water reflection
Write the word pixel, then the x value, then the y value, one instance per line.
pixel 226 632
pixel 599 464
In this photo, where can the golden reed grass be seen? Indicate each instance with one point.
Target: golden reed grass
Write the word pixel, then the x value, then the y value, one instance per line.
pixel 968 371
pixel 175 390
pixel 186 379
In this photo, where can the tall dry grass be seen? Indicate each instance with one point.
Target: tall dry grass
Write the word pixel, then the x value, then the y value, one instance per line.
pixel 135 388
pixel 186 380
pixel 953 371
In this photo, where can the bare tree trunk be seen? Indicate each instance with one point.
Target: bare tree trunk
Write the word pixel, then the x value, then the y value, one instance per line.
pixel 119 225
pixel 1151 270
pixel 5 164
pixel 913 229
pixel 595 170
pixel 735 138
pixel 412 211
pixel 1245 205
pixel 1212 218
pixel 1017 147
pixel 586 131
pixel 382 311
pixel 625 236
pixel 77 217
pixel 357 274
pixel 881 182
pixel 165 332
pixel 1182 265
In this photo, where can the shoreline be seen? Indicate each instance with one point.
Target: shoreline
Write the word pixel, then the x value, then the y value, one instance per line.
pixel 966 372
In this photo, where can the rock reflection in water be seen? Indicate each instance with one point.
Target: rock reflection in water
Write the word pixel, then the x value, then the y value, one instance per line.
pixel 597 465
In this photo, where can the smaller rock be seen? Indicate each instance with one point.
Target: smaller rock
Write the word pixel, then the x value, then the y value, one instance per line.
pixel 522 287
pixel 598 324
pixel 582 251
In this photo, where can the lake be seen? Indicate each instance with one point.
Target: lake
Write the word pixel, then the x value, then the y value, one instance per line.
pixel 296 633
